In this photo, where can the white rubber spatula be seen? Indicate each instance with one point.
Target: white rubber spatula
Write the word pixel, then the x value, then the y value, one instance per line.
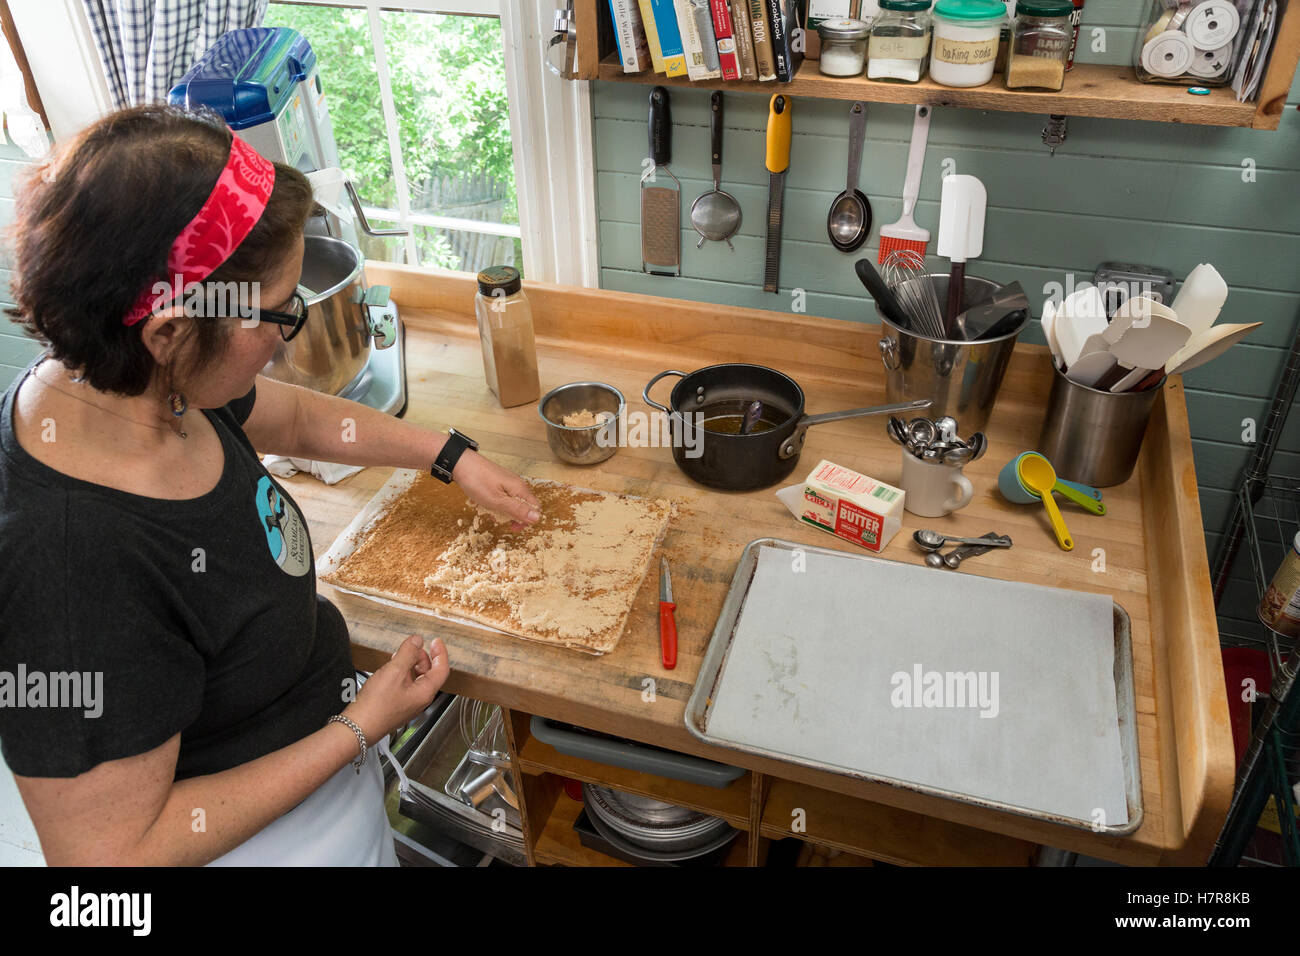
pixel 961 235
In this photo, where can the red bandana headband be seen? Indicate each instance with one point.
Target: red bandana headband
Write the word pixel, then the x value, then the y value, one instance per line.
pixel 233 208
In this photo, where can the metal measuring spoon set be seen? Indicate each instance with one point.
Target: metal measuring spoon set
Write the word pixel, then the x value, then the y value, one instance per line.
pixel 936 441
pixel 932 541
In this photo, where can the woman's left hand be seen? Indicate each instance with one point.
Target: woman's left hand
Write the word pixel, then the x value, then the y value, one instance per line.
pixel 489 485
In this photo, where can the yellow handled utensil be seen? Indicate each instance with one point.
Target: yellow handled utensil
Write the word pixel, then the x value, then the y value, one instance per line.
pixel 777 162
pixel 1037 474
pixel 778 133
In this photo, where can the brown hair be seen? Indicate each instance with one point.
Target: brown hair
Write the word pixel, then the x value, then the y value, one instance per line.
pixel 96 221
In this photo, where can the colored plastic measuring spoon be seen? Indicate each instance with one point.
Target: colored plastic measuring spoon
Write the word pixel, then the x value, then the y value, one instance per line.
pixel 1079 498
pixel 1038 475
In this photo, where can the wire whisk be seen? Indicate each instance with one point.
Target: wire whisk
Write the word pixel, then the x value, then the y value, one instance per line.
pixel 906 275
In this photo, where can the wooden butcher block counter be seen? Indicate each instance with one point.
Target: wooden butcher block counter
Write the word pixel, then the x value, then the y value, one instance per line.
pixel 1151 560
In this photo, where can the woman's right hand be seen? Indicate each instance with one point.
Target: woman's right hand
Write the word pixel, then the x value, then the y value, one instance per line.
pixel 401 689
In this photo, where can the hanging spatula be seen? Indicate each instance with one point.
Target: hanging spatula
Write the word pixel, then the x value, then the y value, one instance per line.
pixel 961 235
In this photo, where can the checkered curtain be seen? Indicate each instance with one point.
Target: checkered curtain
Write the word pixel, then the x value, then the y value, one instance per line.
pixel 146 46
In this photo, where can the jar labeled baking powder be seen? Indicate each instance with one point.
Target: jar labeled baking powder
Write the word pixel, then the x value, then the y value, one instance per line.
pixel 844 46
pixel 1041 38
pixel 965 47
pixel 900 41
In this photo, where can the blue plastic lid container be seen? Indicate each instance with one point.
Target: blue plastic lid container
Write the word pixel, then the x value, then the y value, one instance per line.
pixel 247 75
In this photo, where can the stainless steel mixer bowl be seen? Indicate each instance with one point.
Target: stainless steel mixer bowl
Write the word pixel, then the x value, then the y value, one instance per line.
pixel 331 350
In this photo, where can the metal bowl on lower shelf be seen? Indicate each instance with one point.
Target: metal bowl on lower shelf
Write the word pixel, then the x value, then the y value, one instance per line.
pixel 583 444
pixel 653 825
pixel 631 852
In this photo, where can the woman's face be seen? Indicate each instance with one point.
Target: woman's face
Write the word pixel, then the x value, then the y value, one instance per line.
pixel 250 346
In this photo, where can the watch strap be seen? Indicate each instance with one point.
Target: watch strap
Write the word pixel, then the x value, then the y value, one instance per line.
pixel 452 449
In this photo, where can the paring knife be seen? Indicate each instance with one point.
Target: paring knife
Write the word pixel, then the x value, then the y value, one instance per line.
pixel 667 621
pixel 777 162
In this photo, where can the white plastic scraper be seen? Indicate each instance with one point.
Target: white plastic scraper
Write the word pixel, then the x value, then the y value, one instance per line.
pixel 961 233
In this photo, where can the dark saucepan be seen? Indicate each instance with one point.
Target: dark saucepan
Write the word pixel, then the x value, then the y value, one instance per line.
pixel 736 462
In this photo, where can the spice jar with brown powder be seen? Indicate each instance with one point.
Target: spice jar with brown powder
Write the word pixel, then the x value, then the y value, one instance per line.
pixel 1041 37
pixel 505 328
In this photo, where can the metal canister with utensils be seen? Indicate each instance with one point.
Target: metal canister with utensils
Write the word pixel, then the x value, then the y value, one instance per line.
pixel 1093 436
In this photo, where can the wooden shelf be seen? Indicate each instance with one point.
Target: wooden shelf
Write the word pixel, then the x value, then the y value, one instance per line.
pixel 731 803
pixel 885 833
pixel 1112 92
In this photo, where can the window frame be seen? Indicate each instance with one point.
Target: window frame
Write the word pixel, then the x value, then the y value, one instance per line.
pixel 550 121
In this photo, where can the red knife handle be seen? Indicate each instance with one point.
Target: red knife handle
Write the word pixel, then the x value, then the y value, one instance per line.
pixel 668 634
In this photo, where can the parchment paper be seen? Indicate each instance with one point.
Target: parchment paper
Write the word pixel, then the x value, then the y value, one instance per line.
pixel 816 670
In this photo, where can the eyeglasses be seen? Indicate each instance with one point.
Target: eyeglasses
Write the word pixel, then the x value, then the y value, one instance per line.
pixel 290 322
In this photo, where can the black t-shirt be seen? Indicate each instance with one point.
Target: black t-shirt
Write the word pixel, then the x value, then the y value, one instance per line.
pixel 197 617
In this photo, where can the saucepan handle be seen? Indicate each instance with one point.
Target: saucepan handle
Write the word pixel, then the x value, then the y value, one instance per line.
pixel 794 444
pixel 645 392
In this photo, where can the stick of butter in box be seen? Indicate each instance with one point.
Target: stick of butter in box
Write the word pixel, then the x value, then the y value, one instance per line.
pixel 847 504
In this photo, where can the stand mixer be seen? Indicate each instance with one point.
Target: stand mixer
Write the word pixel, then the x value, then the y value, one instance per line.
pixel 264 83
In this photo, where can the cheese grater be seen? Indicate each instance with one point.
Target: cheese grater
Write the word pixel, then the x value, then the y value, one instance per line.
pixel 661 237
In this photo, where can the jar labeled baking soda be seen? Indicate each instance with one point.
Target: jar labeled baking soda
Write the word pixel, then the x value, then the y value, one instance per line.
pixel 505 329
pixel 966 35
pixel 1279 609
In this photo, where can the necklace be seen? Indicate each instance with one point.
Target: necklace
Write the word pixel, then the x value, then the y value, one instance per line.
pixel 85 401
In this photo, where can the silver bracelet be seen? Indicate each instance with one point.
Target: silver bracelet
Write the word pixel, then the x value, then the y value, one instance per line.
pixel 361 738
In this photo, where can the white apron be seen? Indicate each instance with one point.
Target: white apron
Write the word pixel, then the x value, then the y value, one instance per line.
pixel 342 823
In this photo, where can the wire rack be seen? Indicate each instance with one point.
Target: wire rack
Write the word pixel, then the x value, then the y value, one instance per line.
pixel 1271 766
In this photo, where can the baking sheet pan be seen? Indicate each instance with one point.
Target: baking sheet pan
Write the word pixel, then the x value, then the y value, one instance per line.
pixel 350 537
pixel 703 703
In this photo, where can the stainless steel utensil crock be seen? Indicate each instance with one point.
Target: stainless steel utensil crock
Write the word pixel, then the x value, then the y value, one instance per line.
pixel 962 378
pixel 1093 436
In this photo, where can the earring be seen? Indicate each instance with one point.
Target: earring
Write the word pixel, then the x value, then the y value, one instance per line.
pixel 178 403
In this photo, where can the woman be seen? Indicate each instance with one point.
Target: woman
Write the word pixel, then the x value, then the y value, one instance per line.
pixel 143 545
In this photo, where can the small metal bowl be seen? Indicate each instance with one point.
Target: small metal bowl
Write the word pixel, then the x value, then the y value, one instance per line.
pixel 586 445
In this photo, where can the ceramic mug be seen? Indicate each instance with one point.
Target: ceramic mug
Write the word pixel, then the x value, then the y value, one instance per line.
pixel 932 489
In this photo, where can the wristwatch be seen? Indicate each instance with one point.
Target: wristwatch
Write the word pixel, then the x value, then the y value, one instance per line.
pixel 450 454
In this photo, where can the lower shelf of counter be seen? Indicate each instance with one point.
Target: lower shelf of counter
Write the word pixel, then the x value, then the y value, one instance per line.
pixel 558 843
pixel 763 808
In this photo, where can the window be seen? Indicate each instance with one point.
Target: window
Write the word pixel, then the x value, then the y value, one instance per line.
pixel 421 116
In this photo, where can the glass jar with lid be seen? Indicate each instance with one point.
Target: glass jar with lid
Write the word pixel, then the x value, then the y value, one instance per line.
pixel 1040 44
pixel 965 46
pixel 900 41
pixel 844 46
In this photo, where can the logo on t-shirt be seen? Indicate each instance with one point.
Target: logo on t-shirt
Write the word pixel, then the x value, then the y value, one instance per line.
pixel 286 534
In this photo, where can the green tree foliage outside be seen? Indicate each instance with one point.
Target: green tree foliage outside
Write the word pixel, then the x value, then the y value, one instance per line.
pixel 449 91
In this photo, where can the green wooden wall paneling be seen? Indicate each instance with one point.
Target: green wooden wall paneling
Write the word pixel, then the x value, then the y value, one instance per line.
pixel 1168 195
